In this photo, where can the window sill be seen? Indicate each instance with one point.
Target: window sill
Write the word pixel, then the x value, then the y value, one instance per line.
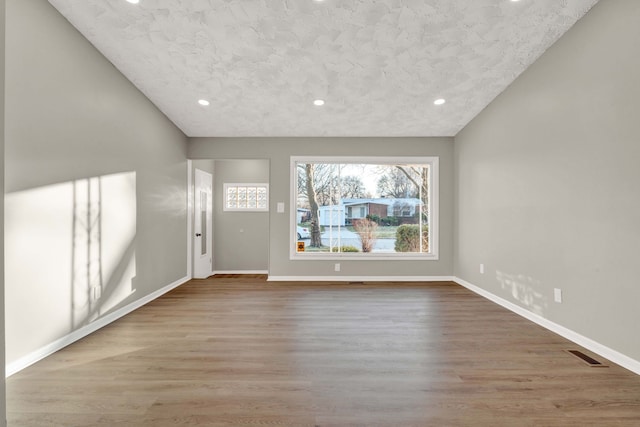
pixel 361 257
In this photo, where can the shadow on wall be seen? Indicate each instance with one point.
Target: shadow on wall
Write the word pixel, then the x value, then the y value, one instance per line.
pixel 525 290
pixel 69 257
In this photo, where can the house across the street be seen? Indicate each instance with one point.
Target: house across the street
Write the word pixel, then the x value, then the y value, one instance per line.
pixel 404 209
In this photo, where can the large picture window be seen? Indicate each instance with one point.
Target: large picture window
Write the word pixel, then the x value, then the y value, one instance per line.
pixel 363 208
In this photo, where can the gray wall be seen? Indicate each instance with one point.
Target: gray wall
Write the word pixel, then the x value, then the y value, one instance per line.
pixel 236 250
pixel 73 118
pixel 278 152
pixel 548 183
pixel 240 239
pixel 3 400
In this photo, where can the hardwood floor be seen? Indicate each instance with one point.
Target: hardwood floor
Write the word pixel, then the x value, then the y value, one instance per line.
pixel 238 351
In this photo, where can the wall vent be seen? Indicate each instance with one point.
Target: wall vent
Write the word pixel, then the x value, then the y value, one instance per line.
pixel 587 359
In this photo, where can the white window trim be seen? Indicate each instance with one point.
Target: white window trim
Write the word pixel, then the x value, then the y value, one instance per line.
pixel 433 198
pixel 226 185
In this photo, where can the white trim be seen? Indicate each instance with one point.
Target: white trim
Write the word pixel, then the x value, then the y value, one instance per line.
pixel 59 344
pixel 360 279
pixel 600 349
pixel 434 206
pixel 375 160
pixel 369 256
pixel 190 200
pixel 241 272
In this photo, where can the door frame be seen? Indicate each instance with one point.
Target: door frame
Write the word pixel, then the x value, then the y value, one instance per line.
pixel 190 213
pixel 196 242
pixel 191 238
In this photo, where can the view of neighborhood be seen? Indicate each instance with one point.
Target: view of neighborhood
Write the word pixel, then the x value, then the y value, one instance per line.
pixel 376 208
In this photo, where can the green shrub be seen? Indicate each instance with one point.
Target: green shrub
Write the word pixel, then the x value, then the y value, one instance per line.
pixel 346 248
pixel 408 238
pixel 375 218
pixel 390 220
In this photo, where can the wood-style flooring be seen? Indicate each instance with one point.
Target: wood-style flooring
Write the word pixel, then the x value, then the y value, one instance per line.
pixel 240 351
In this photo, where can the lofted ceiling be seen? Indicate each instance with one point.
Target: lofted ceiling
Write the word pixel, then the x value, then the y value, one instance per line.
pixel 378 64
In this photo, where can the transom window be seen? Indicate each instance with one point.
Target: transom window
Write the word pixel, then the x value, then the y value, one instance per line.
pixel 360 208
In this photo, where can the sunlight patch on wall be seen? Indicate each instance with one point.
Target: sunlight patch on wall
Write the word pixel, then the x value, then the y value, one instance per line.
pixel 69 257
pixel 172 200
pixel 524 289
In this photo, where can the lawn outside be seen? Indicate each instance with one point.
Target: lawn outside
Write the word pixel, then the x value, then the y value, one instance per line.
pixel 382 232
pixel 347 238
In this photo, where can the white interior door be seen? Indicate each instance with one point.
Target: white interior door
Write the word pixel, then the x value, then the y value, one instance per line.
pixel 203 236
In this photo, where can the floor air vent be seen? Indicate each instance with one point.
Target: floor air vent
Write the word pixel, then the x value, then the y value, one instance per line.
pixel 587 359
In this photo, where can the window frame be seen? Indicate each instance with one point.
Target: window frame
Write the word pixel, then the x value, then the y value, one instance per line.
pixel 433 200
pixel 225 187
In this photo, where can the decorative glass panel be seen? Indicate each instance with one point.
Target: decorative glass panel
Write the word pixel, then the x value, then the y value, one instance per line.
pixel 246 197
pixel 242 197
pixel 261 202
pixel 203 223
pixel 251 197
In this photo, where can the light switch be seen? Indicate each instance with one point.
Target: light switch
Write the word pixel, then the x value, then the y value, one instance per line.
pixel 557 295
pixel 280 207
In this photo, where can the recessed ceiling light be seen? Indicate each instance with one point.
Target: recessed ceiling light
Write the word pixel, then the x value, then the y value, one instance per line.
pixel 318 102
pixel 203 102
pixel 439 101
pixel 133 1
pixel 515 0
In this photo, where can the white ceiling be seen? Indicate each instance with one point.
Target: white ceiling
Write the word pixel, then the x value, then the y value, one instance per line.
pixel 378 64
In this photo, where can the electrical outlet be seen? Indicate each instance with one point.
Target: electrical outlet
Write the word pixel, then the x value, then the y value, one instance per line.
pixel 336 267
pixel 557 295
pixel 481 268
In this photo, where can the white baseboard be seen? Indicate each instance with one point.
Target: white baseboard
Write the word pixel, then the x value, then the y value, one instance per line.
pixel 602 350
pixel 74 336
pixel 241 272
pixel 360 278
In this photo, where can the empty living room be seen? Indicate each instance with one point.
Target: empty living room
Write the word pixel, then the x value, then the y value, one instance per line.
pixel 320 213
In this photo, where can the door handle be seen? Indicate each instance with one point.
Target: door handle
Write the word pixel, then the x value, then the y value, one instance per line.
pixel 198 234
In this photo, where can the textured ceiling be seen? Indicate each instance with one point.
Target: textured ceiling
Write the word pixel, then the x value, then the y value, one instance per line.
pixel 378 64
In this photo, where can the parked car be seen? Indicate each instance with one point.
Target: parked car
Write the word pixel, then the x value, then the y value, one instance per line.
pixel 303 233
